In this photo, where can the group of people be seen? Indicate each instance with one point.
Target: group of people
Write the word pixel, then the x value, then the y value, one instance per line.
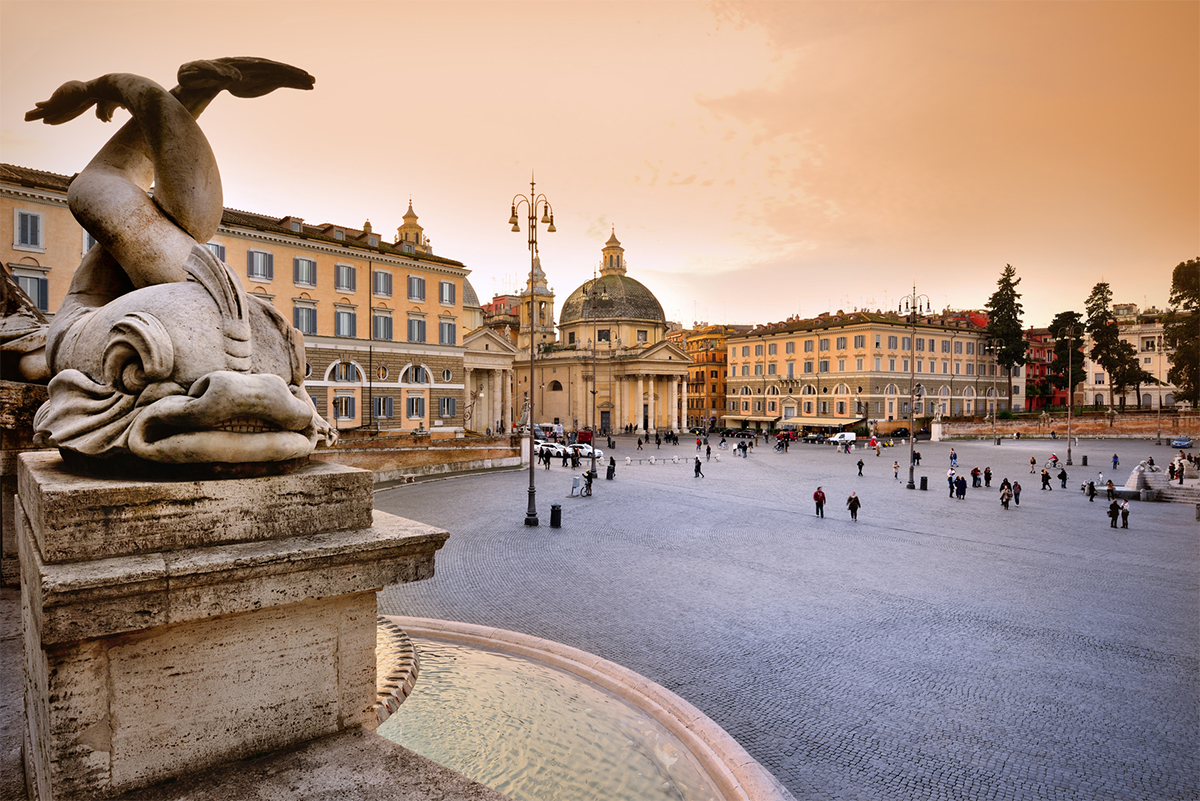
pixel 852 503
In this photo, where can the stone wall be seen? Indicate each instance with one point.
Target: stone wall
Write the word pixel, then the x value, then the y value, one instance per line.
pixel 18 404
pixel 1123 425
pixel 391 455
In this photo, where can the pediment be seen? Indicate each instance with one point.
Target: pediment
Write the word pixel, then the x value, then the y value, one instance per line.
pixel 496 343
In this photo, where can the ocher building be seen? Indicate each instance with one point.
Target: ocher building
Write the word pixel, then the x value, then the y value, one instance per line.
pixel 838 369
pixel 385 323
pixel 610 340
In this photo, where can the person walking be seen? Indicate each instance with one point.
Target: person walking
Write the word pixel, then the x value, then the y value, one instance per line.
pixel 896 470
pixel 1124 514
pixel 1110 490
pixel 953 458
pixel 819 500
pixel 975 475
pixel 1032 463
pixel 860 467
pixel 961 486
pixel 1016 492
pixel 1062 477
pixel 639 447
pixel 612 469
pixel 1046 480
pixel 1091 491
pixel 1116 462
pixel 1114 511
pixel 853 504
pixel 949 480
pixel 697 443
pixel 987 476
pixel 699 474
pixel 707 452
pixel 1005 496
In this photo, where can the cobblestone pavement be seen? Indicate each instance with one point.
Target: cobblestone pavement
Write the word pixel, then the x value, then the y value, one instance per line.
pixel 934 649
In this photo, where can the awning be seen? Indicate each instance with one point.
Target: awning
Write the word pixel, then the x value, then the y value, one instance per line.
pixel 801 422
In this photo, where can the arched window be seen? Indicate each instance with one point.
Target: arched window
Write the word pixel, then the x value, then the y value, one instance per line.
pixel 745 390
pixel 944 392
pixel 773 391
pixel 415 374
pixel 968 392
pixel 891 389
pixel 841 389
pixel 808 390
pixel 345 371
pixel 1099 400
pixel 555 386
pixel 1168 400
pixel 1146 400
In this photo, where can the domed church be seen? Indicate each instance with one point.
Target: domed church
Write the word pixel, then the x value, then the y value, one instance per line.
pixel 611 342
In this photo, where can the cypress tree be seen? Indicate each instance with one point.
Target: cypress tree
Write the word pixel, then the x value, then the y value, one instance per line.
pixel 1181 331
pixel 1004 324
pixel 1067 329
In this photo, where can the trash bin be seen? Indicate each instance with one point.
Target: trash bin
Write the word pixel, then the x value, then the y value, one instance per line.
pixel 925 482
pixel 997 440
pixel 612 471
pixel 1084 462
pixel 556 515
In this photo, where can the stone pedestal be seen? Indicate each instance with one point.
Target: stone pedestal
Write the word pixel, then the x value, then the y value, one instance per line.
pixel 171 626
pixel 18 404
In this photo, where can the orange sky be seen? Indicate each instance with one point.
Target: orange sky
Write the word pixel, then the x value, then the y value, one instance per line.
pixel 757 159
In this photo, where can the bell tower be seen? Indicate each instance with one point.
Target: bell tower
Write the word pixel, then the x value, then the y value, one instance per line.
pixel 612 261
pixel 537 311
pixel 411 233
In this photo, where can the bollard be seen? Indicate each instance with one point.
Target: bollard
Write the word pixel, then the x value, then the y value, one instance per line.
pixel 925 482
pixel 1084 462
pixel 556 515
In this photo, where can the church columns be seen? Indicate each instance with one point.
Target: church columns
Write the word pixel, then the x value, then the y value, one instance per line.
pixel 686 411
pixel 493 394
pixel 637 409
pixel 618 423
pixel 650 402
pixel 507 379
pixel 674 401
pixel 469 416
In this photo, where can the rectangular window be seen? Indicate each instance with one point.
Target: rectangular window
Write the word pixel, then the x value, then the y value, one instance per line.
pixel 970 368
pixel 260 265
pixel 958 347
pixel 920 343
pixel 217 250
pixel 415 407
pixel 905 365
pixel 642 335
pixel 771 368
pixel 758 369
pixel 920 364
pixel 945 346
pixel 971 347
pixel 416 287
pixel 745 369
pixel 447 293
pixel 345 278
pixel 841 365
pixel 808 366
pixel 808 407
pixel 858 364
pixel 824 344
pixel 37 288
pixel 860 340
pixel 343 407
pixel 28 231
pixel 891 365
pixel 304 271
pixel 789 347
pixel 758 406
pixel 712 374
pixel 878 338
pixel 841 343
pixel 385 407
pixel 771 349
pixel 604 335
pixel 447 407
pixel 932 345
pixel 791 369
pixel 841 407
pixel 571 338
pixel 305 319
pixel 906 344
pixel 758 350
pixel 891 343
pixel 745 350
pixel 381 283
pixel 416 329
pixel 447 333
pixel 345 323
pixel 878 364
pixel 808 346
pixel 1099 378
pixel 823 366
pixel 381 327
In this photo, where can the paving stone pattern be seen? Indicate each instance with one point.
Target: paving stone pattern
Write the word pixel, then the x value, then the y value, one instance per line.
pixel 935 649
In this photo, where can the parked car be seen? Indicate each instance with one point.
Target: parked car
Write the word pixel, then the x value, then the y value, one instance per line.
pixel 1181 442
pixel 817 438
pixel 843 437
pixel 585 450
pixel 902 433
pixel 745 433
pixel 556 448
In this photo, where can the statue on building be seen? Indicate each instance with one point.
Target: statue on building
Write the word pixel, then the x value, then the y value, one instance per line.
pixel 157 353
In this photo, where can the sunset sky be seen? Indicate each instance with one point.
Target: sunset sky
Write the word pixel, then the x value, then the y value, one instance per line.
pixel 757 160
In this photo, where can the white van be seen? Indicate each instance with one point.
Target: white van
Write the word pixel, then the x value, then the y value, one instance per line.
pixel 842 437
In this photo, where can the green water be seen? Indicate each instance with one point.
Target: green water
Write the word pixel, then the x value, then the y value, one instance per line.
pixel 536 733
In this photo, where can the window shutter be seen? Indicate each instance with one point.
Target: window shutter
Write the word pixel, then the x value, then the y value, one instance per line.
pixel 350 407
pixel 389 406
pixel 249 263
pixel 270 265
pixel 353 276
pixel 296 322
pixel 353 324
pixel 43 298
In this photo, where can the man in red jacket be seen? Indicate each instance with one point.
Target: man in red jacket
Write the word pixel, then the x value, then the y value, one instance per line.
pixel 819 500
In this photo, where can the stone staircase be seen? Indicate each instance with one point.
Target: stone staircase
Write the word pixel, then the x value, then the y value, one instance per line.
pixel 1162 487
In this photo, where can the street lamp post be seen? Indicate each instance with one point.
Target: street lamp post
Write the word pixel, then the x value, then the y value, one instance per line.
pixel 912 307
pixel 1072 332
pixel 994 347
pixel 532 202
pixel 595 344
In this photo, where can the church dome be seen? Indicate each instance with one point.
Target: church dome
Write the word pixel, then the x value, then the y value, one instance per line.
pixel 617 297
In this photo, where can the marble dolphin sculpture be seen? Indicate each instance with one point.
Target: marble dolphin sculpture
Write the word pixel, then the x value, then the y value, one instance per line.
pixel 157 352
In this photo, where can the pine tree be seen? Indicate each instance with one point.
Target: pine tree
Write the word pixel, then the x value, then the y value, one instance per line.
pixel 1181 331
pixel 1106 336
pixel 1067 329
pixel 1004 324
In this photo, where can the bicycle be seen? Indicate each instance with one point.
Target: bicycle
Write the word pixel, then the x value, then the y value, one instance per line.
pixel 586 491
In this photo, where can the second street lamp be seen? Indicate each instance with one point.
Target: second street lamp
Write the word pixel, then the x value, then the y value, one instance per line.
pixel 532 203
pixel 912 307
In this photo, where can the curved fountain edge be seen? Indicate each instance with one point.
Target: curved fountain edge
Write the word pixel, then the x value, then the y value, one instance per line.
pixel 736 774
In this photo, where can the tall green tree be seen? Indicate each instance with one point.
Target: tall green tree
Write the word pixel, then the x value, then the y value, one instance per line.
pixel 1129 373
pixel 1181 331
pixel 1104 332
pixel 1067 328
pixel 1004 324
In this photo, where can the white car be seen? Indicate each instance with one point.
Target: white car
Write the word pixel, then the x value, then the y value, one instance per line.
pixel 556 449
pixel 585 450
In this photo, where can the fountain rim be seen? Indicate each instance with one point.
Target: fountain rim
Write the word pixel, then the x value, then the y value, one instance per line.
pixel 731 769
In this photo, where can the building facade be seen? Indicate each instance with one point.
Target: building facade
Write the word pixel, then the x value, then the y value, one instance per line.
pixel 384 323
pixel 609 366
pixel 706 347
pixel 1143 329
pixel 837 370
